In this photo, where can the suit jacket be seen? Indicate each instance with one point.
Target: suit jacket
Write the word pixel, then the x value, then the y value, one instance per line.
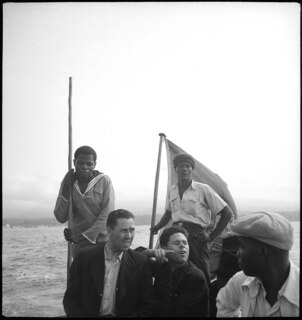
pixel 134 295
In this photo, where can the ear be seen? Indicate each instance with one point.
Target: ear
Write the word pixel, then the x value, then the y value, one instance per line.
pixel 74 161
pixel 108 229
pixel 94 164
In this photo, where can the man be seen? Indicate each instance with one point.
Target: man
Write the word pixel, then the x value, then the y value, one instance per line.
pixel 268 285
pixel 195 206
pixel 111 280
pixel 92 197
pixel 180 287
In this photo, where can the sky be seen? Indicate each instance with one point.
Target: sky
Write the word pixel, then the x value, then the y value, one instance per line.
pixel 221 80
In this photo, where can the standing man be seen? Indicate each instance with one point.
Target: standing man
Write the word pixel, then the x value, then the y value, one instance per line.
pixel 180 287
pixel 195 206
pixel 111 280
pixel 268 285
pixel 92 197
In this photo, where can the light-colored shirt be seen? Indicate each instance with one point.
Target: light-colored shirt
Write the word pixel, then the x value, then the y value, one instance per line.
pixel 200 204
pixel 90 209
pixel 112 267
pixel 245 296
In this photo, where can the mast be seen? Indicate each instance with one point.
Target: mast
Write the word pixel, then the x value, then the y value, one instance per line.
pixel 162 136
pixel 69 250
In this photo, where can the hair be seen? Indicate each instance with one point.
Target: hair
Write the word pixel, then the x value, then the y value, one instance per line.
pixel 85 150
pixel 167 233
pixel 118 214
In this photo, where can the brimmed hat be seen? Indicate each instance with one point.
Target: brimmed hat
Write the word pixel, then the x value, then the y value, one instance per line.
pixel 267 227
pixel 183 157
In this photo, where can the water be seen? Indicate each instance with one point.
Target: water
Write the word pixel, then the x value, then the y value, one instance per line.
pixel 34 268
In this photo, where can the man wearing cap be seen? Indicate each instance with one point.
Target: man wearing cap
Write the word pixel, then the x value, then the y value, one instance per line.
pixel 195 206
pixel 268 285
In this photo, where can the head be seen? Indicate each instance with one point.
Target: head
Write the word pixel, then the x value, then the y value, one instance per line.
pixel 176 239
pixel 265 239
pixel 184 165
pixel 84 162
pixel 120 229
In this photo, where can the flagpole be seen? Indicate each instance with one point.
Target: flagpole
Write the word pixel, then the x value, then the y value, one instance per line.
pixel 162 136
pixel 69 253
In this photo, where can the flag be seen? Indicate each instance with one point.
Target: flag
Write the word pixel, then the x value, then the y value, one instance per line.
pixel 200 174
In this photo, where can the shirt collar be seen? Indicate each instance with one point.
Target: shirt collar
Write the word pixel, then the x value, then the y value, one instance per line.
pixel 288 290
pixel 108 258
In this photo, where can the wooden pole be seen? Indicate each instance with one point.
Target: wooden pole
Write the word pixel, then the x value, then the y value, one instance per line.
pixel 162 136
pixel 69 254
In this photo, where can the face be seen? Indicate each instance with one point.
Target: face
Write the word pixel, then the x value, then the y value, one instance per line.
pixel 84 165
pixel 178 243
pixel 184 171
pixel 121 236
pixel 249 256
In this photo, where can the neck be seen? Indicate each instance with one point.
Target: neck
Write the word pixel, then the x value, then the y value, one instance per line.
pixel 110 250
pixel 275 277
pixel 184 184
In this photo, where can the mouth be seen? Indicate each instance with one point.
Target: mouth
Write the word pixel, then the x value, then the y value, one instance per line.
pixel 182 253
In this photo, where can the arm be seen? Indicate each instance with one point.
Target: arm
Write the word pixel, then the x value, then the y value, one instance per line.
pixel 163 221
pixel 147 303
pixel 98 232
pixel 62 204
pixel 228 298
pixel 71 300
pixel 226 215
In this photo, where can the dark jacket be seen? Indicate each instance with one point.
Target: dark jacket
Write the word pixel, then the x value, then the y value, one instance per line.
pixel 134 295
pixel 183 293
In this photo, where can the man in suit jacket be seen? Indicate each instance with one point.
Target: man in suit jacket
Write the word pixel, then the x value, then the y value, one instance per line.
pixel 110 279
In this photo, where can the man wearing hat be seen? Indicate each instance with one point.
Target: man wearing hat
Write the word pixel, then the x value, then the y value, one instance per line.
pixel 194 206
pixel 268 285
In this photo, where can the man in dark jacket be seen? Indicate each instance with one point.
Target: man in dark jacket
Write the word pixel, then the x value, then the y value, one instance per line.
pixel 180 287
pixel 111 280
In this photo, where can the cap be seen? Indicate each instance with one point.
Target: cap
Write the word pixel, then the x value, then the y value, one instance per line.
pixel 267 227
pixel 183 157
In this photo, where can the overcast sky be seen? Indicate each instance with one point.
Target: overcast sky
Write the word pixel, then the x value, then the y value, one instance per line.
pixel 221 80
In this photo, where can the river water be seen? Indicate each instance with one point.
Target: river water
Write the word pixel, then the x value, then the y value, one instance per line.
pixel 34 263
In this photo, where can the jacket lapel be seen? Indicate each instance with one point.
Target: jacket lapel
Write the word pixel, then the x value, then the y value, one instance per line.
pixel 126 274
pixel 98 269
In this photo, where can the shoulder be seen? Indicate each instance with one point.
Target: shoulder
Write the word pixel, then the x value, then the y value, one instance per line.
pixel 201 186
pixel 193 271
pixel 136 256
pixel 90 252
pixel 239 279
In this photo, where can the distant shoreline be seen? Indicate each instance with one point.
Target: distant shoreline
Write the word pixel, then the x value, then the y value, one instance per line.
pixel 139 220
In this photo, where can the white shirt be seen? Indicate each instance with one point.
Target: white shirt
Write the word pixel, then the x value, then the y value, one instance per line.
pixel 199 204
pixel 112 268
pixel 245 296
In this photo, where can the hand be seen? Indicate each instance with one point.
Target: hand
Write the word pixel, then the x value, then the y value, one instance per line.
pixel 161 254
pixel 70 235
pixel 208 237
pixel 154 229
pixel 68 182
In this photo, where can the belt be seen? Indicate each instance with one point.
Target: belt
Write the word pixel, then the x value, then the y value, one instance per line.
pixel 186 224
